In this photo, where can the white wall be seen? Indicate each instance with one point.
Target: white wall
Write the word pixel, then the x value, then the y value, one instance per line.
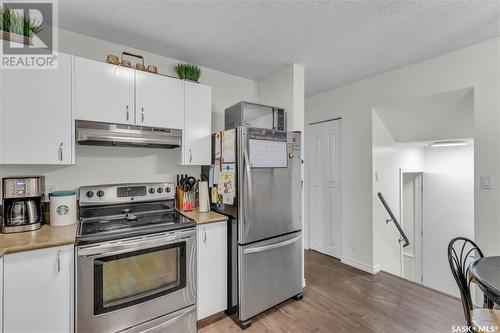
pixel 96 165
pixel 388 158
pixel 448 210
pixel 476 66
pixel 285 89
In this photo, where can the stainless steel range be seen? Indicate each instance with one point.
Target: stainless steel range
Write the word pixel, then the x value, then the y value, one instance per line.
pixel 135 261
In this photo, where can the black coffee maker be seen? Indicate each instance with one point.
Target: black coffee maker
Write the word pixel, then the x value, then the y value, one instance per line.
pixel 22 207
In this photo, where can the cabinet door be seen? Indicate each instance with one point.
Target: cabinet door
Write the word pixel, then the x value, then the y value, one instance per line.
pixel 212 268
pixel 159 101
pixel 35 115
pixel 38 291
pixel 198 124
pixel 103 92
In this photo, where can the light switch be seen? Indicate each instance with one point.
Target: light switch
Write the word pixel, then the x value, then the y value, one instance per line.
pixel 485 182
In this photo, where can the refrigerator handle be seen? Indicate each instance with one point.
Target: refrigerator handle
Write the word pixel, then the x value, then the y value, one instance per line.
pixel 248 188
pixel 271 246
pixel 274 118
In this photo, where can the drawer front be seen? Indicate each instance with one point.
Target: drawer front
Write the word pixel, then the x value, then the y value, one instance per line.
pixel 182 321
pixel 270 273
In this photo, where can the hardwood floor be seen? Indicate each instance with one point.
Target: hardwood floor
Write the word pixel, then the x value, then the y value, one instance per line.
pixel 339 298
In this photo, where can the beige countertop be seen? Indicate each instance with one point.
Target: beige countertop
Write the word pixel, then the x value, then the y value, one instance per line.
pixel 46 236
pixel 201 218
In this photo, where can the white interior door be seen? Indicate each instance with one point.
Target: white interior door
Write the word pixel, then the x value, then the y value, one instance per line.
pixel 448 203
pixel 325 200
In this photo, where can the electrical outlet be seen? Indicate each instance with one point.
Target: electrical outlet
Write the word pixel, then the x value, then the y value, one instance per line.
pixel 49 189
pixel 353 244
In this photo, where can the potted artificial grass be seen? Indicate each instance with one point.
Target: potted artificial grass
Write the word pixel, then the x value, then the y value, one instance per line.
pixel 188 72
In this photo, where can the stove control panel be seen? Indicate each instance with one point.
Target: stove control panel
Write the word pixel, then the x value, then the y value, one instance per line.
pixel 123 193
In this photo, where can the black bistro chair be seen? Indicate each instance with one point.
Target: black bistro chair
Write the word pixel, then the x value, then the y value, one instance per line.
pixel 461 252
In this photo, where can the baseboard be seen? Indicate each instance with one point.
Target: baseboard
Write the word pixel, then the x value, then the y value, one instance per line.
pixel 210 319
pixel 359 265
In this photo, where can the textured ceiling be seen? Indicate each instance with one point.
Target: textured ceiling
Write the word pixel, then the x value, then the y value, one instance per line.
pixel 336 41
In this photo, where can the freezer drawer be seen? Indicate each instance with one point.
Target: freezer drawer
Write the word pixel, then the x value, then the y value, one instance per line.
pixel 182 321
pixel 270 273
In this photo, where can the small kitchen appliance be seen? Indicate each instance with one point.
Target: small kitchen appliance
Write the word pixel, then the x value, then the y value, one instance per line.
pixel 255 115
pixel 135 261
pixel 22 203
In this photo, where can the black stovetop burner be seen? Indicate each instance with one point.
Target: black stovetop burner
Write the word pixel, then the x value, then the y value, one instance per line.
pixel 102 223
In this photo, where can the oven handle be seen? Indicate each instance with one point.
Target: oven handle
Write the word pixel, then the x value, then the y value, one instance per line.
pixel 131 245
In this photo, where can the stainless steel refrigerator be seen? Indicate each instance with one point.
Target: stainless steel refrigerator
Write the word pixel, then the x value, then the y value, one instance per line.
pixel 265 228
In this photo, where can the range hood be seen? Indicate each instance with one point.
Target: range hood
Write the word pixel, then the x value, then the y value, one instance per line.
pixel 106 134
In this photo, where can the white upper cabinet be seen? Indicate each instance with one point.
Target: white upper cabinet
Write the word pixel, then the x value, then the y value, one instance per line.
pixel 196 148
pixel 38 291
pixel 103 92
pixel 159 101
pixel 35 115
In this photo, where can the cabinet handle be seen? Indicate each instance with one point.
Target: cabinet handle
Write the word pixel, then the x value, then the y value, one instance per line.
pixel 190 155
pixel 58 261
pixel 128 114
pixel 61 151
pixel 204 235
pixel 142 111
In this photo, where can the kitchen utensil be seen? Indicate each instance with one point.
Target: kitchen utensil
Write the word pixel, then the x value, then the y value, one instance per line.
pixel 32 211
pixel 203 199
pixel 18 214
pixel 62 208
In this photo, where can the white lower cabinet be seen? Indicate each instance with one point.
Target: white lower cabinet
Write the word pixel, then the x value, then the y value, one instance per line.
pixel 38 291
pixel 212 268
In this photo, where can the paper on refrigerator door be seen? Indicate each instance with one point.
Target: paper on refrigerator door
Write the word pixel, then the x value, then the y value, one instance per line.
pixel 211 176
pixel 216 173
pixel 228 146
pixel 218 145
pixel 268 154
pixel 226 185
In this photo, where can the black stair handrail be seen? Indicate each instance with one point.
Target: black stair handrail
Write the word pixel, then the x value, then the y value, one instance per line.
pixel 393 219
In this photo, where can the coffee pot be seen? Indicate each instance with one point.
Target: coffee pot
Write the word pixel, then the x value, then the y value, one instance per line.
pixel 22 204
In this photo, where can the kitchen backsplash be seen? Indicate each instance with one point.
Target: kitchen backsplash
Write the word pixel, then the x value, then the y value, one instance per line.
pixel 106 165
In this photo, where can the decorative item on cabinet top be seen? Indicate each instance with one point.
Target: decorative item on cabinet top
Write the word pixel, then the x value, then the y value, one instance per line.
pixel 188 72
pixel 130 60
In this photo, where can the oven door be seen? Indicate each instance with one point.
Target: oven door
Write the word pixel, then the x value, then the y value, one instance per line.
pixel 126 283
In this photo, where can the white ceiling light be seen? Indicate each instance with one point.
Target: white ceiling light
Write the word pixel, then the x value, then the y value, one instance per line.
pixel 448 143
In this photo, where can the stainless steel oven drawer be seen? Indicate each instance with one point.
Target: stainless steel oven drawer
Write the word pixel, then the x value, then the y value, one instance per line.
pixel 182 321
pixel 270 273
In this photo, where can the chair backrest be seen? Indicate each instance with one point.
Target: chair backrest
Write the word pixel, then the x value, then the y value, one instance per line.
pixel 460 250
